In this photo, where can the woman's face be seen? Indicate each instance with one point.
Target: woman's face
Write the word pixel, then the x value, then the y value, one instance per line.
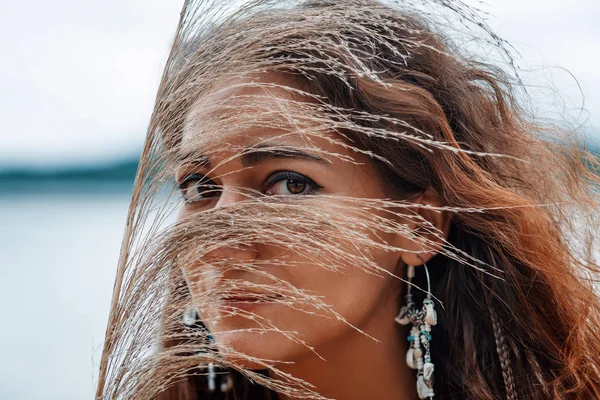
pixel 363 299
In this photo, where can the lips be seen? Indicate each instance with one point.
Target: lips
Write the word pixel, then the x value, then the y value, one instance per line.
pixel 249 297
pixel 248 301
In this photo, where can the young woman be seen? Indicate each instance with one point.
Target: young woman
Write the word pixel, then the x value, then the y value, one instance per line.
pixel 363 211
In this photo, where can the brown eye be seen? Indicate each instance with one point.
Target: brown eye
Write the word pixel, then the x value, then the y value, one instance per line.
pixel 289 183
pixel 197 187
pixel 295 187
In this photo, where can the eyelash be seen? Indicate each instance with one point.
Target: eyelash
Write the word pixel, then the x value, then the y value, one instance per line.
pixel 273 179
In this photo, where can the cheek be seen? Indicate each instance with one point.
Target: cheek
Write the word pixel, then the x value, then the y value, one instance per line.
pixel 357 293
pixel 352 292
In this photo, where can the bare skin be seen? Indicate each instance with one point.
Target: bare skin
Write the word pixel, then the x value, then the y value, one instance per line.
pixel 355 365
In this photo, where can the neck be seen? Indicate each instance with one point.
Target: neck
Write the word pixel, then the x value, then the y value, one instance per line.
pixel 358 367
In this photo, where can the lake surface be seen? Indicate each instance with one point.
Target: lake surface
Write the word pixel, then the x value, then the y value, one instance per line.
pixel 58 257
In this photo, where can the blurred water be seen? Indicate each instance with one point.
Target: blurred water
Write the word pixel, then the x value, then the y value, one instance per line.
pixel 58 256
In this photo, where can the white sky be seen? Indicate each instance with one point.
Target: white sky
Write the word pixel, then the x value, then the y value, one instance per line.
pixel 78 77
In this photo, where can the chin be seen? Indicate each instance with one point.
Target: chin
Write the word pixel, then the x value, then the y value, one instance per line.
pixel 240 348
pixel 277 334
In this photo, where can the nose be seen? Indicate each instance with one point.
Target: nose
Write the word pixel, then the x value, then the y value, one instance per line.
pixel 236 251
pixel 226 261
pixel 234 248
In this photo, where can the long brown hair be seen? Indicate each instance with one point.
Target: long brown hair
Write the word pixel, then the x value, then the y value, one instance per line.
pixel 534 333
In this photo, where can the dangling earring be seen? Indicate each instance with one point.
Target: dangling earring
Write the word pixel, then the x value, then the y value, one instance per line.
pixel 418 355
pixel 191 320
pixel 190 317
pixel 226 382
pixel 210 378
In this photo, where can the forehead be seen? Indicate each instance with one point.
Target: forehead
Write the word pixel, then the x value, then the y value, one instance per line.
pixel 247 110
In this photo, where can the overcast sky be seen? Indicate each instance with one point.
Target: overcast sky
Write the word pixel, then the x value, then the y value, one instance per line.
pixel 78 77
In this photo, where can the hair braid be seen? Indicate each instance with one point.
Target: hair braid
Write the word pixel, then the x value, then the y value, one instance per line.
pixel 504 355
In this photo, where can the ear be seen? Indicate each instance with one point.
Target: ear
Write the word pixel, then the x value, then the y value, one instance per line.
pixel 427 239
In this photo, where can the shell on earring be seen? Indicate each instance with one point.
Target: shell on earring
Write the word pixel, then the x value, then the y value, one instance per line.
pixel 430 314
pixel 403 317
pixel 410 358
pixel 423 390
pixel 428 373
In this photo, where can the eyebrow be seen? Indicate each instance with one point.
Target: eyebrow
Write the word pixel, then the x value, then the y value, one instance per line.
pixel 257 154
pixel 260 153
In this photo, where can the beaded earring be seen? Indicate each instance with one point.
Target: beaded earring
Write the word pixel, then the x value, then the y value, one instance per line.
pixel 421 320
pixel 191 320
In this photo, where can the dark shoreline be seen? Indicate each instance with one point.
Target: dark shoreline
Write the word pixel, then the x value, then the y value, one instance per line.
pixel 116 176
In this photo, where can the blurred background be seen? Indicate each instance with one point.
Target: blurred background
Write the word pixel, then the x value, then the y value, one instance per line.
pixel 77 85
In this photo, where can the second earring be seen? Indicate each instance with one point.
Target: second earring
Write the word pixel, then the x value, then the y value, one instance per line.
pixel 421 320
